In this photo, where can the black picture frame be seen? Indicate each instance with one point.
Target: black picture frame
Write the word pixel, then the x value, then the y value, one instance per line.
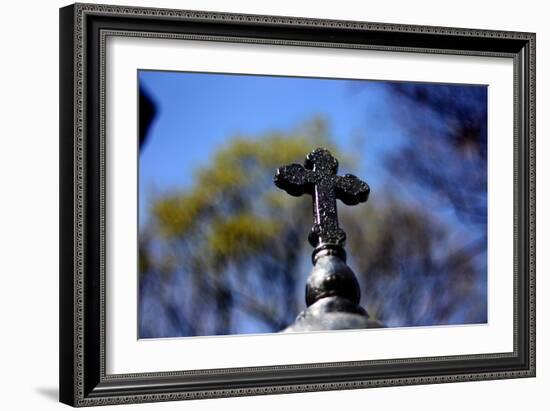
pixel 83 381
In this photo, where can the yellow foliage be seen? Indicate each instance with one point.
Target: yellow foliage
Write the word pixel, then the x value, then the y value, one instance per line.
pixel 221 210
pixel 176 214
pixel 240 234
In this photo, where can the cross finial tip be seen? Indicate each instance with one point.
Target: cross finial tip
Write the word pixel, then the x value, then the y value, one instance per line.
pixel 321 158
pixel 318 178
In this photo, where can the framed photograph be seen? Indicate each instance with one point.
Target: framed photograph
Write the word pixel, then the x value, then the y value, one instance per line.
pixel 262 204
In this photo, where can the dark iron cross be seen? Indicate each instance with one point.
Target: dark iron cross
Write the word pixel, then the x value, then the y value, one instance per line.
pixel 318 178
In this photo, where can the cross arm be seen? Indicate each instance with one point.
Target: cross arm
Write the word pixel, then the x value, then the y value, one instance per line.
pixel 294 179
pixel 351 190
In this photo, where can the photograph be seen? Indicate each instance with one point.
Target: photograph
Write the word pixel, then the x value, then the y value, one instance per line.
pixel 224 250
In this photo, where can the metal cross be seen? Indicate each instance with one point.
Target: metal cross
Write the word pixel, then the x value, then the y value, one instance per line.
pixel 318 178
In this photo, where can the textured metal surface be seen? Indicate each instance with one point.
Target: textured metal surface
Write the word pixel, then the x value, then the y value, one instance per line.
pixel 332 290
pixel 330 277
pixel 333 313
pixel 318 178
pixel 332 297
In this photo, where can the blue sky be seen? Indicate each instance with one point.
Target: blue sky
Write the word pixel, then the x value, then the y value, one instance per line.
pixel 198 112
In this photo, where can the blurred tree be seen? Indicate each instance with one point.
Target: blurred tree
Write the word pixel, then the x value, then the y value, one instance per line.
pixel 446 152
pixel 412 269
pixel 442 164
pixel 232 240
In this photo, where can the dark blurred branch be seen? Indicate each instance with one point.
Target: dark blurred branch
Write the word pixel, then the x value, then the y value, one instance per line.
pixel 147 111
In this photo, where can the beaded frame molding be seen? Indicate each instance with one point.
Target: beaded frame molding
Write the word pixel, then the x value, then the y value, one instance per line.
pixel 83 31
